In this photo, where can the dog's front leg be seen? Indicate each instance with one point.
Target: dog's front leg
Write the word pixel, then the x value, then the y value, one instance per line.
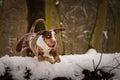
pixel 48 59
pixel 41 57
pixel 45 58
pixel 55 55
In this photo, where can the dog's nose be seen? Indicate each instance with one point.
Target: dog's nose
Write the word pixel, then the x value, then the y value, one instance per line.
pixel 54 42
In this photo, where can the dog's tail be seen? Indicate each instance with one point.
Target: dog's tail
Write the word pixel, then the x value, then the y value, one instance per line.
pixel 34 24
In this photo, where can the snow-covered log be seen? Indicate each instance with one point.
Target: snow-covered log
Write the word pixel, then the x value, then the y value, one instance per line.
pixel 71 67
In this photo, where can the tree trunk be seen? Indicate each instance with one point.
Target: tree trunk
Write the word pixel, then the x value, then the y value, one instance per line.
pixel 53 21
pixel 1 10
pixel 13 23
pixel 99 27
pixel 36 9
pixel 78 18
pixel 117 26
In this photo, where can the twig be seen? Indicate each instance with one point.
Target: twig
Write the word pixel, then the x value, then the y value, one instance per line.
pixel 94 65
pixel 79 66
pixel 99 62
pixel 116 67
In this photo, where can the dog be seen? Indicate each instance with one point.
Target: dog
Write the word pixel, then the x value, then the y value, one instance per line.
pixel 42 44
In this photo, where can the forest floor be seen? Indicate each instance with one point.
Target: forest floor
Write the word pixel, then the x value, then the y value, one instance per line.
pixel 89 66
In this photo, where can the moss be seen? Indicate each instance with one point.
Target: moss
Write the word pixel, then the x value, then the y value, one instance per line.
pixel 98 31
pixel 53 20
pixel 49 6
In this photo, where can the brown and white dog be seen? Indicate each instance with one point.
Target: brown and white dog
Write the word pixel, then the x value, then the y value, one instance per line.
pixel 42 44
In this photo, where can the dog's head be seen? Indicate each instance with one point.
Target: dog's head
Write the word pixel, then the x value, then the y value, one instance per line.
pixel 50 36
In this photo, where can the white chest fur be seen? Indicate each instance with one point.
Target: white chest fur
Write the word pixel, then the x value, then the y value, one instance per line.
pixel 41 43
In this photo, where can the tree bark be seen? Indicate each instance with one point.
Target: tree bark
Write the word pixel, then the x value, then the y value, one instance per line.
pixel 78 17
pixel 99 27
pixel 53 21
pixel 1 10
pixel 13 23
pixel 117 26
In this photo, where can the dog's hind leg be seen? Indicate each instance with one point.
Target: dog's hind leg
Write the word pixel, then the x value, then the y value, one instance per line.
pixel 29 52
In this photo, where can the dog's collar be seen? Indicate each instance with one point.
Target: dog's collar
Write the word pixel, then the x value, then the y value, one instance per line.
pixel 41 43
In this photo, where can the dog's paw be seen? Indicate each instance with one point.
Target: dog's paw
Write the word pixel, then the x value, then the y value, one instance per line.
pixel 58 61
pixel 53 62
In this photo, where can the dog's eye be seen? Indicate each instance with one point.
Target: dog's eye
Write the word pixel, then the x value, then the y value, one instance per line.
pixel 48 36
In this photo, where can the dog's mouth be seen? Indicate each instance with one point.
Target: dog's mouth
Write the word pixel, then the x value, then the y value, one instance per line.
pixel 52 44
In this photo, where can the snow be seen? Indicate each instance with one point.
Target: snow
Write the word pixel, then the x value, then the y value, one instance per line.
pixel 71 66
pixel 57 2
pixel 105 34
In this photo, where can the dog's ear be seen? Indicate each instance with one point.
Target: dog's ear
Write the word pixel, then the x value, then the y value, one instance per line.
pixel 58 30
pixel 41 32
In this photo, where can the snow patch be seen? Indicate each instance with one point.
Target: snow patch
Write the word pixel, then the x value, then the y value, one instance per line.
pixel 71 66
pixel 57 2
pixel 105 34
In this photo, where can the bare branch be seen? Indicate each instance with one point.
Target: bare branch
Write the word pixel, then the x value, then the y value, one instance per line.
pixel 93 64
pixel 116 67
pixel 99 61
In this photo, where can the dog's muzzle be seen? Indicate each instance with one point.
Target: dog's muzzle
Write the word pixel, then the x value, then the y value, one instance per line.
pixel 53 44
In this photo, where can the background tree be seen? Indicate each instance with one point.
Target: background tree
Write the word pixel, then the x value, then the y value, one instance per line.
pixel 53 20
pixel 87 22
pixel 1 8
pixel 117 26
pixel 12 23
pixel 36 9
pixel 99 27
pixel 78 18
